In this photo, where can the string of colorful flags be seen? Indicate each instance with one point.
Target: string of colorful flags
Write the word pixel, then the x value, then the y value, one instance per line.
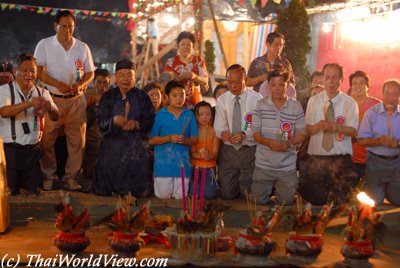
pixel 142 9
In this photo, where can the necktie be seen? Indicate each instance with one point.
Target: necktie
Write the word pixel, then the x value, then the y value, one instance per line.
pixel 328 138
pixel 236 117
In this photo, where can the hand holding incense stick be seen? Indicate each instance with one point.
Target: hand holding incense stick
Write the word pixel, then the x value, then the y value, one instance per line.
pixel 185 125
pixel 127 109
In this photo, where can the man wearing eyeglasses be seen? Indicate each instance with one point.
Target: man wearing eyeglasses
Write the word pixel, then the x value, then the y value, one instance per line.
pixel 65 66
pixel 22 109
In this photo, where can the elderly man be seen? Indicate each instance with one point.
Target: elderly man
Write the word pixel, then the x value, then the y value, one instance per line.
pixel 125 116
pixel 380 133
pixel 233 123
pixel 260 66
pixel 66 66
pixel 22 109
pixel 326 173
pixel 278 125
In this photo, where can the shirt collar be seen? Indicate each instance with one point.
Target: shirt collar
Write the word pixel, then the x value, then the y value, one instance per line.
pixel 270 102
pixel 381 109
pixel 232 97
pixel 57 43
pixel 334 100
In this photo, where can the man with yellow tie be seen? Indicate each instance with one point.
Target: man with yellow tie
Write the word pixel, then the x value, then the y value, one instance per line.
pixel 326 172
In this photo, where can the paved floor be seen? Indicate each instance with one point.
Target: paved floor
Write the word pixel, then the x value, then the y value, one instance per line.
pixel 32 230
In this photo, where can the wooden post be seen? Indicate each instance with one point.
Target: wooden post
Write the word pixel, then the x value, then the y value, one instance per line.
pixel 133 43
pixel 245 48
pixel 218 34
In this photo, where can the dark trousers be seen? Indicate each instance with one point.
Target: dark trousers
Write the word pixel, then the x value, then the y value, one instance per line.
pixel 324 179
pixel 23 169
pixel 235 170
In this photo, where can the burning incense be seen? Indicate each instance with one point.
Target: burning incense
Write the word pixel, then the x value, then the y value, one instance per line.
pixel 202 185
pixel 127 109
pixel 183 187
pixel 185 125
pixel 194 197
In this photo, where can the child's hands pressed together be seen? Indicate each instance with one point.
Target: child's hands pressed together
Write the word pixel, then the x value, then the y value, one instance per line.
pixel 177 138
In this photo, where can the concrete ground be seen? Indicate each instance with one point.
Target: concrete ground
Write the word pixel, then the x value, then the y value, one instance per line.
pixel 32 229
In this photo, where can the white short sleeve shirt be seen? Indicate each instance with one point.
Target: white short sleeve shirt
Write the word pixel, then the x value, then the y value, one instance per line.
pixel 345 107
pixel 24 116
pixel 65 66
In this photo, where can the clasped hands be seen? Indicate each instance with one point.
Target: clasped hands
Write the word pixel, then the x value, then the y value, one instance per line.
pixel 125 124
pixel 40 102
pixel 69 89
pixel 232 139
pixel 326 126
pixel 388 141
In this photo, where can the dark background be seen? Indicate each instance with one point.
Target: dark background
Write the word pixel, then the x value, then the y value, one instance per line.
pixel 20 31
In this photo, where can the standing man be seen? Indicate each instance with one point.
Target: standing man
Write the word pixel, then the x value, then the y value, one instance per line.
pixel 278 126
pixel 326 173
pixel 66 66
pixel 233 121
pixel 380 133
pixel 260 66
pixel 22 108
pixel 125 117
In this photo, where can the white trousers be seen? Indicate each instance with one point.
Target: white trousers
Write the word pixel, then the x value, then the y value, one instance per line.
pixel 169 187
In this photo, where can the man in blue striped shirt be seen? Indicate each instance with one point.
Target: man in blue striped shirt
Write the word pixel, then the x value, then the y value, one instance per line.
pixel 278 125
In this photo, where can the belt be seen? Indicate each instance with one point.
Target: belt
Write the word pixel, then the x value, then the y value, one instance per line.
pixel 65 96
pixel 20 146
pixel 386 157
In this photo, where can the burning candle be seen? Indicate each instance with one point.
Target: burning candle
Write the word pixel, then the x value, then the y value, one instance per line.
pixel 366 205
pixel 196 181
pixel 202 185
pixel 183 187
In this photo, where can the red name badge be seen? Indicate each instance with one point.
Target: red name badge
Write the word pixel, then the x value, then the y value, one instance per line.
pixel 286 128
pixel 341 121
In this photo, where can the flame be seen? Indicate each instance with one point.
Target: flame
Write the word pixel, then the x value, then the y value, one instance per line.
pixel 365 199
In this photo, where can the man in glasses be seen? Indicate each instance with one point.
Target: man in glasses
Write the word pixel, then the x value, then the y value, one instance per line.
pixel 22 109
pixel 65 66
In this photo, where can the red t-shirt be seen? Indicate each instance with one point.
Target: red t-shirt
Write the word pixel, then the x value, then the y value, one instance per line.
pixel 197 66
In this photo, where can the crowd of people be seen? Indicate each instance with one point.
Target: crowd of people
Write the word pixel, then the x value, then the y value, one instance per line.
pixel 258 139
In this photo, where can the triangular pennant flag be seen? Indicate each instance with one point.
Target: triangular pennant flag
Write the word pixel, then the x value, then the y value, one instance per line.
pixel 263 3
pixel 19 7
pixel 114 14
pixel 99 13
pixel 84 17
pixel 47 9
pixel 85 12
pixel 92 13
pixel 106 14
pixel 241 2
pixel 56 9
pixel 4 6
pixel 253 3
pixel 40 10
pixel 72 11
pixel 121 15
pixel 77 12
pixel 12 6
pixel 53 13
pixel 277 1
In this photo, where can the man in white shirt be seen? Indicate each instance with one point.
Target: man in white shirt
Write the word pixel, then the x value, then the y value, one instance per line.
pixel 326 172
pixel 233 120
pixel 22 108
pixel 66 66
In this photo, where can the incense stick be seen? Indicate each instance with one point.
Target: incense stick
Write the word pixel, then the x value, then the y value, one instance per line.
pixel 185 125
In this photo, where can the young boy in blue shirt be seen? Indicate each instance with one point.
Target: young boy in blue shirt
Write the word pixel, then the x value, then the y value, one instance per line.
pixel 174 131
